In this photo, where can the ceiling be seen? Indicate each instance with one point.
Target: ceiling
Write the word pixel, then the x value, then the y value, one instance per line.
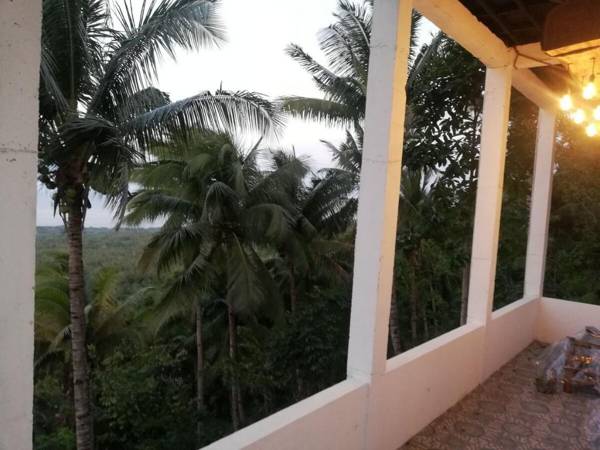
pixel 516 22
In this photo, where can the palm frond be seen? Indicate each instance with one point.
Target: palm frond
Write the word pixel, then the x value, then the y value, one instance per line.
pixel 320 110
pixel 223 111
pixel 149 206
pixel 346 43
pixel 162 28
pixel 247 286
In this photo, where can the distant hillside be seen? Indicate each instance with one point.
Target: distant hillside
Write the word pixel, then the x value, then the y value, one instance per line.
pixel 102 247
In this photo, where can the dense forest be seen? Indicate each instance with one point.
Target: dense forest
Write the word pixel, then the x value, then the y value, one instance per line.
pixel 238 305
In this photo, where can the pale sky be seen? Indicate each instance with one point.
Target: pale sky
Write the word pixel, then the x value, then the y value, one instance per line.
pixel 252 59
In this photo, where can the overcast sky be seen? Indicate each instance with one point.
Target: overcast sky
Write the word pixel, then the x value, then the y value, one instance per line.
pixel 252 59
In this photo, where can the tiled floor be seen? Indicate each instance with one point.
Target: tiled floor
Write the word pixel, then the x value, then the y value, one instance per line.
pixel 507 413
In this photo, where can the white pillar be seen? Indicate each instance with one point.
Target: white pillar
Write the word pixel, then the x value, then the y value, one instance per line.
pixel 379 189
pixel 488 205
pixel 541 197
pixel 19 67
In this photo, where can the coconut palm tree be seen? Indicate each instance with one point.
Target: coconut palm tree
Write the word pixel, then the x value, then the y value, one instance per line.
pixel 343 80
pixel 98 113
pixel 322 209
pixel 220 211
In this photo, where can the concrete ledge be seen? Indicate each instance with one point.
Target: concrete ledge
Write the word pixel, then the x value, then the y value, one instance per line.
pixel 432 345
pixel 417 387
pixel 332 419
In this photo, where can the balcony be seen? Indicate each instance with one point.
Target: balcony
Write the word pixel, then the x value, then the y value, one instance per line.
pixel 424 394
pixel 383 404
pixel 386 404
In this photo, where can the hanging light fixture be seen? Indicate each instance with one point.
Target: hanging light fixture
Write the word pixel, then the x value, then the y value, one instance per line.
pixel 566 102
pixel 579 116
pixel 579 105
pixel 589 90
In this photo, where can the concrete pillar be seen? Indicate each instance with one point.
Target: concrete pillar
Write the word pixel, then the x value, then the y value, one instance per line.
pixel 19 67
pixel 541 197
pixel 379 189
pixel 488 205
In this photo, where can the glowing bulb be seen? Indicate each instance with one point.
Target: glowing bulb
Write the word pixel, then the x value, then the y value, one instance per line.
pixel 589 91
pixel 591 130
pixel 566 102
pixel 597 113
pixel 579 116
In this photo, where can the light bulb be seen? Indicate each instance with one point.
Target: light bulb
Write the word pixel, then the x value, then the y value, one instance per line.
pixel 566 102
pixel 591 130
pixel 597 113
pixel 579 116
pixel 589 91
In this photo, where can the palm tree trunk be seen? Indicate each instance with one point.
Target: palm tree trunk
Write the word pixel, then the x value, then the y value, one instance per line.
pixel 394 323
pixel 414 295
pixel 293 291
pixel 464 296
pixel 67 389
pixel 240 406
pixel 293 309
pixel 81 383
pixel 425 322
pixel 234 398
pixel 200 404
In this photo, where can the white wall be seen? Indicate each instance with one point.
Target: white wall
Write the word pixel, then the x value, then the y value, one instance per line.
pixel 510 330
pixel 417 387
pixel 422 383
pixel 19 67
pixel 560 318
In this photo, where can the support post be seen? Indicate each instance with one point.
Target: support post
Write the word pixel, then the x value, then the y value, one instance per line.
pixel 488 205
pixel 541 197
pixel 20 24
pixel 379 189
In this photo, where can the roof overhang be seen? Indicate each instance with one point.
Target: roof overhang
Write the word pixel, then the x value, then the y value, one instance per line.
pixel 459 23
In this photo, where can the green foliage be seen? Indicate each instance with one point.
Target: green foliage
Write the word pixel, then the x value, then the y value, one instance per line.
pixel 143 399
pixel 109 315
pixel 102 248
pixel 53 415
pixel 573 251
pixel 60 439
pixel 309 353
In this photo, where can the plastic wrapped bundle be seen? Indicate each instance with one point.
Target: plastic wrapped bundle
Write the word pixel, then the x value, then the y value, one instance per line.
pixel 551 367
pixel 571 364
